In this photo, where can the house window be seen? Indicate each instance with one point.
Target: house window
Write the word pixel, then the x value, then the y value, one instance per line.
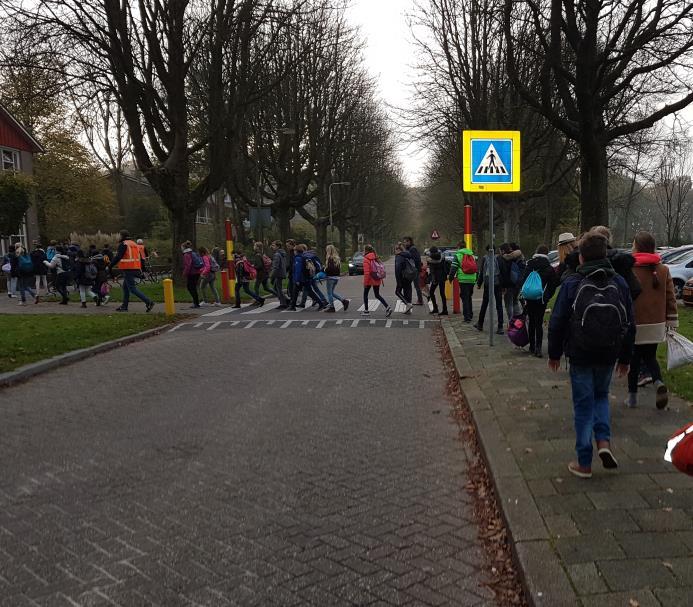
pixel 10 160
pixel 204 215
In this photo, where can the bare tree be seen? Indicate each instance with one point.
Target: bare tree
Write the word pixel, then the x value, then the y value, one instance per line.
pixel 607 70
pixel 672 188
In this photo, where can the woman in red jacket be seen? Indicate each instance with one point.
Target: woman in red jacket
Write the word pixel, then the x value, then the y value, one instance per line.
pixel 371 280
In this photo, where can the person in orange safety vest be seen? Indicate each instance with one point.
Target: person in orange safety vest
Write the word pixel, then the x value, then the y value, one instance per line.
pixel 129 261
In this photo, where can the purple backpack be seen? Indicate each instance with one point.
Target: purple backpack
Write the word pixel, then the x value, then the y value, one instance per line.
pixel 517 331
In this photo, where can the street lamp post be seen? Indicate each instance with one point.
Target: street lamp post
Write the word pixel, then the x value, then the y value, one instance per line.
pixel 347 183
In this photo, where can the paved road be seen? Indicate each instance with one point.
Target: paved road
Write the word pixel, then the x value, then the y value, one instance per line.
pixel 260 467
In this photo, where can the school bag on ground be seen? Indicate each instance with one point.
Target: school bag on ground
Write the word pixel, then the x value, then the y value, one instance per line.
pixel 26 266
pixel 410 273
pixel 599 321
pixel 517 331
pixel 378 270
pixel 469 265
pixel 532 290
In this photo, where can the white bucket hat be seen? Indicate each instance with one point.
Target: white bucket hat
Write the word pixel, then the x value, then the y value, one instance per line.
pixel 565 238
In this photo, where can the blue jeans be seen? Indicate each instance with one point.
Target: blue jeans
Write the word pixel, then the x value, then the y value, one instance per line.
pixel 590 387
pixel 129 286
pixel 331 294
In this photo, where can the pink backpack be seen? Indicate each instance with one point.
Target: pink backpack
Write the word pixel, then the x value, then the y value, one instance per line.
pixel 377 270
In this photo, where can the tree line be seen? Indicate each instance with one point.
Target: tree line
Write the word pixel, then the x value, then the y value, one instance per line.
pixel 587 82
pixel 266 100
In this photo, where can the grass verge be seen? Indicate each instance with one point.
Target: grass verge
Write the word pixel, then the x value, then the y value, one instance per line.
pixel 28 338
pixel 679 380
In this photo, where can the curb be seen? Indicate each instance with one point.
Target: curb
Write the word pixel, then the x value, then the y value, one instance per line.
pixel 42 366
pixel 545 581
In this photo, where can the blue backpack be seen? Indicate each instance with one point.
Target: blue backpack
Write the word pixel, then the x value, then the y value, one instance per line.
pixel 26 265
pixel 516 269
pixel 532 290
pixel 197 261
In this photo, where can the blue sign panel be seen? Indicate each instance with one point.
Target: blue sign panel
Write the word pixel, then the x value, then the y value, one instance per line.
pixel 492 161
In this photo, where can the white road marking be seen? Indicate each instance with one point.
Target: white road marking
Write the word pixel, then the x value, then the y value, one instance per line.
pixel 341 321
pixel 213 326
pixel 354 324
pixel 198 324
pixel 227 310
pixel 185 324
pixel 321 324
pixel 388 324
pixel 422 324
pixel 373 305
pixel 286 324
pixel 266 308
pixel 251 324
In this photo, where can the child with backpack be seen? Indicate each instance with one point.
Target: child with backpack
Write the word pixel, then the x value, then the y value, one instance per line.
pixel 405 274
pixel 592 324
pixel 192 267
pixel 208 276
pixel 85 276
pixel 333 270
pixel 464 268
pixel 373 276
pixel 60 264
pixel 23 271
pixel 263 266
pixel 245 272
pixel 438 272
pixel 537 286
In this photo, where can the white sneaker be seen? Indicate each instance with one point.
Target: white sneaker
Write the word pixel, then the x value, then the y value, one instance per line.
pixel 365 313
pixel 21 303
pixel 216 304
pixel 106 299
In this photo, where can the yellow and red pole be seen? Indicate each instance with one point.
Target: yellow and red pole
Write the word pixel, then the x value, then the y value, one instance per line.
pixel 231 284
pixel 468 226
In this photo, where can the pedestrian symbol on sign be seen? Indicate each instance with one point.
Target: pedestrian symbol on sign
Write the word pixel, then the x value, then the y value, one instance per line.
pixel 491 163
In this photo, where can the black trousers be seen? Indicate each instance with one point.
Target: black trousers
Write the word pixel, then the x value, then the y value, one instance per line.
pixel 404 291
pixel 466 292
pixel 192 281
pixel 498 301
pixel 643 354
pixel 535 324
pixel 441 288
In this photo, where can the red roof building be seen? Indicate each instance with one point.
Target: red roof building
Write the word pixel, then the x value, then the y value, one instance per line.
pixel 17 149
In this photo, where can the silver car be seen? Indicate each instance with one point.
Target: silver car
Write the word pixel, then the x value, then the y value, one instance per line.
pixel 681 269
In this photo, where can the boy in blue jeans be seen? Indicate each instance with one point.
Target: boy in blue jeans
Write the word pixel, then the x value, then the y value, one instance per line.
pixel 592 324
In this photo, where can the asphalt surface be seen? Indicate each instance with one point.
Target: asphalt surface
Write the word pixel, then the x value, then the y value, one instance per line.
pixel 245 467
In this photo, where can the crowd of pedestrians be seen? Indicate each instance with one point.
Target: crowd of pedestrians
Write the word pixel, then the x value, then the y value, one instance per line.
pixel 613 309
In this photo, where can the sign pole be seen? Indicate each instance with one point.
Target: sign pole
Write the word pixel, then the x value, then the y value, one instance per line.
pixel 491 272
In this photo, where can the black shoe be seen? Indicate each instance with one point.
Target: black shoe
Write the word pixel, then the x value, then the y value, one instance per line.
pixel 261 303
pixel 538 354
pixel 479 327
pixel 63 303
pixel 444 313
pixel 121 309
pixel 346 303
pixel 149 306
pixel 467 320
pixel 237 307
pixel 433 311
pixel 300 305
pixel 281 307
pixel 292 309
pixel 84 304
pixel 499 331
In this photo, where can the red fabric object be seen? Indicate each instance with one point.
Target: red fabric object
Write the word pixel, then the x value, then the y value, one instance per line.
pixel 680 449
pixel 647 259
pixel 368 280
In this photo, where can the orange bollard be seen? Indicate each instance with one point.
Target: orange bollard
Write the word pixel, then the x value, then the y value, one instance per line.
pixel 456 296
pixel 225 291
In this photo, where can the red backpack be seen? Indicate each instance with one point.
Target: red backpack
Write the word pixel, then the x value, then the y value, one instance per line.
pixel 249 269
pixel 468 264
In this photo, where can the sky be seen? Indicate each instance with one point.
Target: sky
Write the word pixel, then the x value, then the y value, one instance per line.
pixel 389 56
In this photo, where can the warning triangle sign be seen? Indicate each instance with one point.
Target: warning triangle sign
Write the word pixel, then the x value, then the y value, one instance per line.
pixel 491 163
pixel 435 235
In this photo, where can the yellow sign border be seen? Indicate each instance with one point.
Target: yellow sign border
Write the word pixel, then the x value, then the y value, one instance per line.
pixel 467 185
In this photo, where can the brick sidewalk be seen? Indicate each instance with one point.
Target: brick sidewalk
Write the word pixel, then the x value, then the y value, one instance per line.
pixel 622 535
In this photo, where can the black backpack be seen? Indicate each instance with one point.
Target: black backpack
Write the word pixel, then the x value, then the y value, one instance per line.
pixel 409 272
pixel 599 321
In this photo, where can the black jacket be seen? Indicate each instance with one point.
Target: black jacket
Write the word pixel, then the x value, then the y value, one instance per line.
pixel 38 256
pixel 549 278
pixel 621 261
pixel 437 268
pixel 416 256
pixel 400 260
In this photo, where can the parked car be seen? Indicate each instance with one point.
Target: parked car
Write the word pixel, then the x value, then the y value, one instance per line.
pixel 688 292
pixel 681 269
pixel 356 264
pixel 674 253
pixel 553 259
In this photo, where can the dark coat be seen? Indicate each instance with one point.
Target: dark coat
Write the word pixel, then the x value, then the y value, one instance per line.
pixel 415 255
pixel 437 268
pixel 400 260
pixel 38 256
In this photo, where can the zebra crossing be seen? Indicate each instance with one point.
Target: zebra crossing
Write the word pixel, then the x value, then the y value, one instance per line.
pixel 246 309
pixel 325 324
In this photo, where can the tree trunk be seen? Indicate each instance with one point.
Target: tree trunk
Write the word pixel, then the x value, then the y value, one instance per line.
pixel 342 242
pixel 283 217
pixel 355 240
pixel 183 228
pixel 548 223
pixel 594 182
pixel 321 236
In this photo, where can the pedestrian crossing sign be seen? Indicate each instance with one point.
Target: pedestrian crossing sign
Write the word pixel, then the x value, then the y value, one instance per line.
pixel 491 161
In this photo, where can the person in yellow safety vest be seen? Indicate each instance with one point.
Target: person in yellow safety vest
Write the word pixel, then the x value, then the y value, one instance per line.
pixel 129 261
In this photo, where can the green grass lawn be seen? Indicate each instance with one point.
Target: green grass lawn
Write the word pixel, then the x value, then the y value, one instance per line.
pixel 27 338
pixel 679 380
